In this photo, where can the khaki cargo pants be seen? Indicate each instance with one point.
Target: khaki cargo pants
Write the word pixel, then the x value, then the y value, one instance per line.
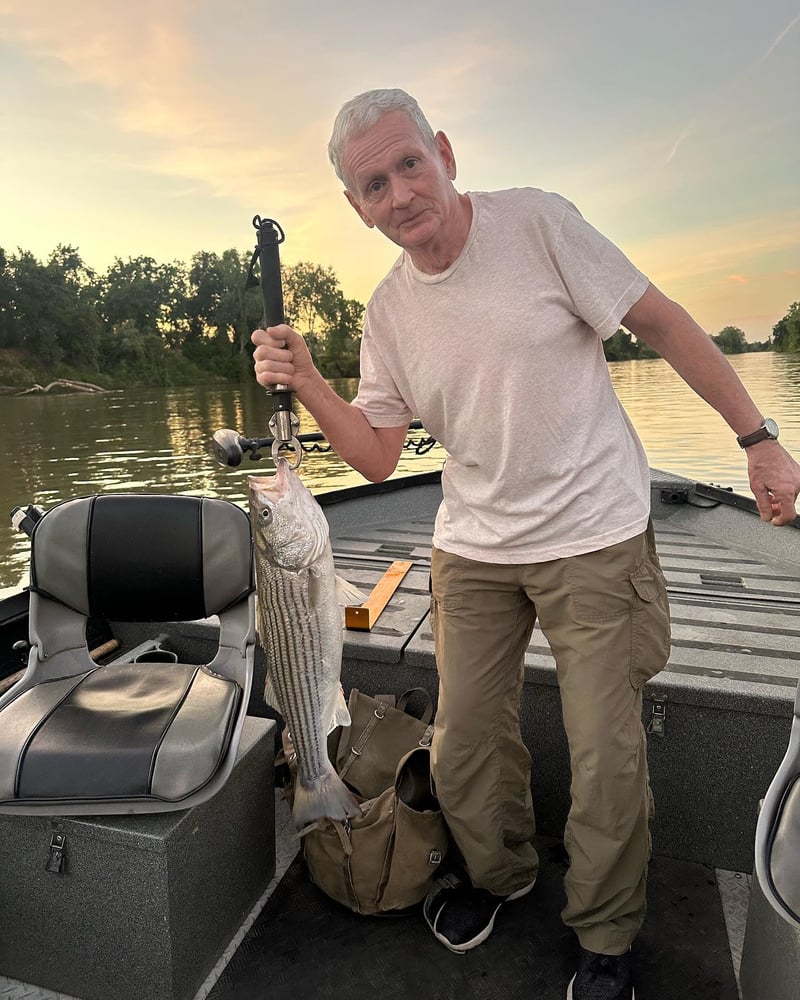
pixel 606 617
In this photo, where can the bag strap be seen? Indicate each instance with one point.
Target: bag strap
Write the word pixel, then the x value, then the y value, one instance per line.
pixel 342 832
pixel 357 748
pixel 405 697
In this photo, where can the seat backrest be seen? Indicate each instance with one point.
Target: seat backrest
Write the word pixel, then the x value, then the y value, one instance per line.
pixel 777 846
pixel 143 557
pixel 129 558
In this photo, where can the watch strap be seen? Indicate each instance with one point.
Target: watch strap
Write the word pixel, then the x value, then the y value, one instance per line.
pixel 762 434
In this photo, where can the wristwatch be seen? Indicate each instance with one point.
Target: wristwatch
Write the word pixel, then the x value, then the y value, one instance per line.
pixel 768 431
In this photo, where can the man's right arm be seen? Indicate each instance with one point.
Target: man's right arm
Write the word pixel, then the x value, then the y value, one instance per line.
pixel 282 358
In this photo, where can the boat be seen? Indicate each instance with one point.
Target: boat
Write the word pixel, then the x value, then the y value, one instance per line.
pixel 719 719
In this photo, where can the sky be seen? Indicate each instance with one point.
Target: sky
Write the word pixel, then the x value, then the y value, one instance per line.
pixel 161 128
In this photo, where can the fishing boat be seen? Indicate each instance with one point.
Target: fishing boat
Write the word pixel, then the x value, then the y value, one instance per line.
pixel 719 720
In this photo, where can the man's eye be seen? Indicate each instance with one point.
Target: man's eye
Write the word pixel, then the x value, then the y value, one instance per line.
pixel 411 162
pixel 374 187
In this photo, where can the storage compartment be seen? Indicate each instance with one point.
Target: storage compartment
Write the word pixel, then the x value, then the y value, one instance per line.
pixel 138 906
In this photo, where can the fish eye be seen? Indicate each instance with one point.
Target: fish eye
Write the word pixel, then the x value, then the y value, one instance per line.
pixel 265 514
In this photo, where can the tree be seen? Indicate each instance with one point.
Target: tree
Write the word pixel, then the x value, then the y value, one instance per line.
pixel 240 309
pixel 621 346
pixel 206 287
pixel 36 312
pixel 731 340
pixel 163 323
pixel 151 295
pixel 7 326
pixel 311 298
pixel 786 332
pixel 74 286
pixel 343 332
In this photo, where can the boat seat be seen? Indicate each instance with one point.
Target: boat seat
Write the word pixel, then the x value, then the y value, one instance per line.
pixel 777 850
pixel 771 952
pixel 81 738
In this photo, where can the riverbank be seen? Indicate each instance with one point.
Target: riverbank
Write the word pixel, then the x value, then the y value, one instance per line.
pixel 20 370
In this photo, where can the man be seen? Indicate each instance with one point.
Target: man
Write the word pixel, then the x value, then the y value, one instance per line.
pixel 488 328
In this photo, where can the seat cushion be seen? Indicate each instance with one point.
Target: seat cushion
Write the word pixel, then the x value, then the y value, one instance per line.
pixel 131 730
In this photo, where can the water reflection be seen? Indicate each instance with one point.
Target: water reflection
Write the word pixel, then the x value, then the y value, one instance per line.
pixel 159 440
pixel 683 434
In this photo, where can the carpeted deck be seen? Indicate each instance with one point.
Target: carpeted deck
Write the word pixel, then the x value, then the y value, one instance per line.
pixel 303 945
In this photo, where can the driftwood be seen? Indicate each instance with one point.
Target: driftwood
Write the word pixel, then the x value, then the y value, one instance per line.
pixel 63 384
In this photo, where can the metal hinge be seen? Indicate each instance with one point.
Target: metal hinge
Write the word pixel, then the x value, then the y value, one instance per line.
pixel 58 846
pixel 658 717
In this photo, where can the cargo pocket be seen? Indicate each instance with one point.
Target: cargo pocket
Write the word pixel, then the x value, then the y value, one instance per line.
pixel 650 635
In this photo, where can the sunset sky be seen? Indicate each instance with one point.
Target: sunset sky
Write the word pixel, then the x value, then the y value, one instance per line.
pixel 161 128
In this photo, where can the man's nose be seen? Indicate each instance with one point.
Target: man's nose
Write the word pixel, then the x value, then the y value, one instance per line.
pixel 401 192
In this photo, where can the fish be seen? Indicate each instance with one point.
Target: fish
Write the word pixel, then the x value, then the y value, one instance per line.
pixel 300 623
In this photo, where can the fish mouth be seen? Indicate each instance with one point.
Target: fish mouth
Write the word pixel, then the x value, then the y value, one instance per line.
pixel 273 486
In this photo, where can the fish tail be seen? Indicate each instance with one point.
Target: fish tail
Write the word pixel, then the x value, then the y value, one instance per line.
pixel 325 796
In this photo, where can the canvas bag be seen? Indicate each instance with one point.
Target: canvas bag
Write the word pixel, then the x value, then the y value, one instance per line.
pixel 380 733
pixel 386 859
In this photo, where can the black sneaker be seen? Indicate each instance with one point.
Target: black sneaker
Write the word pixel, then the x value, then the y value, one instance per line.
pixel 461 916
pixel 602 977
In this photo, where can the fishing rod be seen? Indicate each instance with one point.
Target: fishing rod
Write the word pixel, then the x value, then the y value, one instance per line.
pixel 230 447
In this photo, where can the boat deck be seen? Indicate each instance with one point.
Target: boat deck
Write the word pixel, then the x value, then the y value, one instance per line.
pixel 735 617
pixel 732 676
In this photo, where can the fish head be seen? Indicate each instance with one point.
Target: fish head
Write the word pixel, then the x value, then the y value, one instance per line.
pixel 289 528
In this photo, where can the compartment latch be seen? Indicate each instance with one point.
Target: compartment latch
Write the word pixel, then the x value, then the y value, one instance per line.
pixel 658 717
pixel 58 846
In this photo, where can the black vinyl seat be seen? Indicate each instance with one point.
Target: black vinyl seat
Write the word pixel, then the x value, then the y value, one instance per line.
pixel 78 738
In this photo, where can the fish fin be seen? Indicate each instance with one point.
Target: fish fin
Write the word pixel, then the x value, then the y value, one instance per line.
pixel 326 796
pixel 341 713
pixel 348 594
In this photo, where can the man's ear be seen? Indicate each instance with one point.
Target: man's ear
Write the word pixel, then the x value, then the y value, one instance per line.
pixel 361 214
pixel 446 153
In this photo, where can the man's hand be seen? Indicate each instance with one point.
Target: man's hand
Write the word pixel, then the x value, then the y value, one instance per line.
pixel 281 357
pixel 774 480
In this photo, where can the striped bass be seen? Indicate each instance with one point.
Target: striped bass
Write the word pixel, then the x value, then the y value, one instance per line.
pixel 300 625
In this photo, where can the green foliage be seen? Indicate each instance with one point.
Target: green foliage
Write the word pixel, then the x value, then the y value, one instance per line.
pixel 731 340
pixel 173 324
pixel 315 305
pixel 621 346
pixel 786 332
pixel 159 324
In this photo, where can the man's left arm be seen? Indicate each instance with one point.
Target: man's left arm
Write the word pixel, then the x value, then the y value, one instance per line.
pixel 670 330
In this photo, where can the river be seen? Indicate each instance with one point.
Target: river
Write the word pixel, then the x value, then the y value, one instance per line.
pixel 157 440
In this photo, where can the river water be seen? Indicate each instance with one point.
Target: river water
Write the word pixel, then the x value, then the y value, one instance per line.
pixel 157 440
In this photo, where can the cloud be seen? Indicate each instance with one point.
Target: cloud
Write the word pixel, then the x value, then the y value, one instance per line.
pixel 717 250
pixel 781 37
pixel 738 279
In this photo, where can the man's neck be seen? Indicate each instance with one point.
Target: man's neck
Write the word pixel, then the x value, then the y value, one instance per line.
pixel 438 257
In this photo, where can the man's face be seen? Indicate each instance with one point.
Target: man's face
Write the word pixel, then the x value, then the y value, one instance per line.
pixel 401 185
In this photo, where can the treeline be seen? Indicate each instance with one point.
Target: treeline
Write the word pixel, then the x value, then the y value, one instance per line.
pixel 159 324
pixel 730 340
pixel 177 324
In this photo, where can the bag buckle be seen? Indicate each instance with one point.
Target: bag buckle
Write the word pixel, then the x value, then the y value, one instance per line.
pixel 380 711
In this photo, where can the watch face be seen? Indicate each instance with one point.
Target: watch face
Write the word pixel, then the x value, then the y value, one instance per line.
pixel 771 427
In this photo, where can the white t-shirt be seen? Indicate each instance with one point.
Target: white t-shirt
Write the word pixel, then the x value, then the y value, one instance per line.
pixel 500 357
